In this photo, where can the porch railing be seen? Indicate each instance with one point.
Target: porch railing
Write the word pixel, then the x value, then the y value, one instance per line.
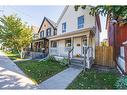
pixel 59 51
pixel 88 57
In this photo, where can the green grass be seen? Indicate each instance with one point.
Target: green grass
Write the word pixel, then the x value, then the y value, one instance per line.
pixel 40 71
pixel 93 79
pixel 13 56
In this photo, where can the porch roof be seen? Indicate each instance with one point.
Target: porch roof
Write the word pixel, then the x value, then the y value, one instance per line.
pixel 40 39
pixel 76 33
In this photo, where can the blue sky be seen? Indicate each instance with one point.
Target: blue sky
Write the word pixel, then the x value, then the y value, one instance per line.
pixel 34 15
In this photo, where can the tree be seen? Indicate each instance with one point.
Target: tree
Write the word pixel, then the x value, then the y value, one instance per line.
pixel 115 12
pixel 14 33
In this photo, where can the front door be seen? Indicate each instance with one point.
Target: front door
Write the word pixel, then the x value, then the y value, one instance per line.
pixel 77 47
pixel 84 43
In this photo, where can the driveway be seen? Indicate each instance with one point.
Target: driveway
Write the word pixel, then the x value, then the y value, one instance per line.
pixel 11 77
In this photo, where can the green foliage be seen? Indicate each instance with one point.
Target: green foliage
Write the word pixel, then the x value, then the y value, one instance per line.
pixel 104 43
pixel 122 83
pixel 14 33
pixel 64 61
pixel 51 58
pixel 12 55
pixel 115 11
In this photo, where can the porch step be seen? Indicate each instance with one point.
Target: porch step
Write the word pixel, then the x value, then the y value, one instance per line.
pixel 77 62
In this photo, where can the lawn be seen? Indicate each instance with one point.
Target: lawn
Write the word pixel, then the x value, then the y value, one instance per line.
pixel 93 79
pixel 12 56
pixel 40 71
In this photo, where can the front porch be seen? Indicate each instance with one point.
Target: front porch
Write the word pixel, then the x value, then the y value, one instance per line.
pixel 61 45
pixel 39 48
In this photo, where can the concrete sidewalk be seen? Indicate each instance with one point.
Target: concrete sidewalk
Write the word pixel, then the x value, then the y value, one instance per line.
pixel 60 80
pixel 11 77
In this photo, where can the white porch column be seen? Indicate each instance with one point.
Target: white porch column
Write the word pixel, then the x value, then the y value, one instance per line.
pixel 58 47
pixel 72 42
pixel 88 40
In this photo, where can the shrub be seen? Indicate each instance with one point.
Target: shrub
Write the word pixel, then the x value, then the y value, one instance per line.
pixel 121 83
pixel 64 61
pixel 52 58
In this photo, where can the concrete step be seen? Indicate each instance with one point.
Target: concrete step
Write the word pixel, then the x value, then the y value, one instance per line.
pixel 76 60
pixel 77 64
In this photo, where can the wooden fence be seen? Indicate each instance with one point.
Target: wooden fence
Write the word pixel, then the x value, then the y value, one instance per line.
pixel 104 56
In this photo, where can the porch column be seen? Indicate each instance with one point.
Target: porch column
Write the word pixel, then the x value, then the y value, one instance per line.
pixel 49 46
pixel 88 40
pixel 58 48
pixel 72 42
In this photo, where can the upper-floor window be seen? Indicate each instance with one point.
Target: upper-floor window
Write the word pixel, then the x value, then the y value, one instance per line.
pixel 41 34
pixel 48 32
pixel 80 22
pixel 55 32
pixel 64 27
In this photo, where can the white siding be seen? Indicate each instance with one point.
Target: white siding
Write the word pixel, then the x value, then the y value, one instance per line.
pixel 70 17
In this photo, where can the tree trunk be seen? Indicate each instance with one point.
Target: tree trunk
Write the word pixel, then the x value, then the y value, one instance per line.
pixel 22 55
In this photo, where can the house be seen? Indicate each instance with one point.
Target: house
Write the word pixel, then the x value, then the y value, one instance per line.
pixel 35 32
pixel 41 44
pixel 117 37
pixel 75 31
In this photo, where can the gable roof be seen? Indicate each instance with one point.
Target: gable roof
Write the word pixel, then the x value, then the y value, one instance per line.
pixel 66 8
pixel 62 14
pixel 52 23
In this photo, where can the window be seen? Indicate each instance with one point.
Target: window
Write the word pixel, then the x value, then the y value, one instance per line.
pixel 64 27
pixel 53 44
pixel 41 34
pixel 67 42
pixel 80 22
pixel 55 32
pixel 48 32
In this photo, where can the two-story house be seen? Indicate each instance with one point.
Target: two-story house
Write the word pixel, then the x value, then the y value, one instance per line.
pixel 75 29
pixel 47 29
pixel 35 32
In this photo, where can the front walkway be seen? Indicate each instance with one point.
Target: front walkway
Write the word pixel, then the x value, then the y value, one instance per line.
pixel 11 77
pixel 60 80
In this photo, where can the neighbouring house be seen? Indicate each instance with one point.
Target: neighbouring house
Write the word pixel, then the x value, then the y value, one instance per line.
pixel 35 32
pixel 75 31
pixel 117 37
pixel 41 44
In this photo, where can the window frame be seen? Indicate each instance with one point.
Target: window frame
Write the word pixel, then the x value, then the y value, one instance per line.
pixel 48 33
pixel 52 44
pixel 80 22
pixel 64 26
pixel 42 34
pixel 68 42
